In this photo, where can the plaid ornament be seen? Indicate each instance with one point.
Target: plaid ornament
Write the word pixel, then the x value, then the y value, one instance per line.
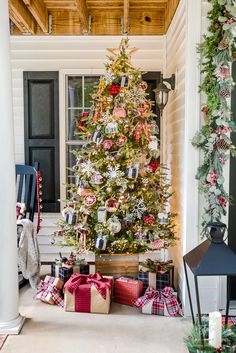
pixel 127 290
pixel 48 291
pixel 159 302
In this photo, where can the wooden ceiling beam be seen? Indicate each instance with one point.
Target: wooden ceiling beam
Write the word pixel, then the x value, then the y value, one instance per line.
pixel 39 12
pixel 126 17
pixel 21 17
pixel 83 15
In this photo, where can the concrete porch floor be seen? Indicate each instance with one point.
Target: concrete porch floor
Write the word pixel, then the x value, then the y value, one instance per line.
pixel 49 329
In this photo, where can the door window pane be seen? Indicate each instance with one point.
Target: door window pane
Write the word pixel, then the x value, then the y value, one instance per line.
pixel 75 92
pixel 89 86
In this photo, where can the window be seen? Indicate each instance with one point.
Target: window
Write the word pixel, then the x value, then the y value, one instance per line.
pixel 78 100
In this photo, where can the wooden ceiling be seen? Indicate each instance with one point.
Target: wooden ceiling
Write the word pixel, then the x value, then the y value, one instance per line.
pixel 93 17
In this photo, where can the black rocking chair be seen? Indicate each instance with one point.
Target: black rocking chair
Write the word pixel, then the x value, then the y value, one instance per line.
pixel 26 181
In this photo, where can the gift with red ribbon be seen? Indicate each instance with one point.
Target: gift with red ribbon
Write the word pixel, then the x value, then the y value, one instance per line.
pixel 157 302
pixel 156 274
pixel 127 290
pixel 88 293
pixel 49 291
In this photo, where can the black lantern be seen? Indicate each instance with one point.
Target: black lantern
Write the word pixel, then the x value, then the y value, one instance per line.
pixel 211 258
pixel 162 91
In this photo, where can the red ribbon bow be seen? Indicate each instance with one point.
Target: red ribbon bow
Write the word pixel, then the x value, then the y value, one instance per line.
pixel 76 280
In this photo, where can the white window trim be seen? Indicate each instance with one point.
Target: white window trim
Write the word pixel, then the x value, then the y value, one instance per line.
pixel 62 122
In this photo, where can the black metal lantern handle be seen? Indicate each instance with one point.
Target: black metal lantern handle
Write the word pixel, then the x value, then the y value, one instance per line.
pixel 209 237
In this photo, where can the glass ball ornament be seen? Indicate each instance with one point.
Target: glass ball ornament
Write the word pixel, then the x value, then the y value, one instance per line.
pixel 109 189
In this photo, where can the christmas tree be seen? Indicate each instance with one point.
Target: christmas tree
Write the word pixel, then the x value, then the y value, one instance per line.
pixel 119 203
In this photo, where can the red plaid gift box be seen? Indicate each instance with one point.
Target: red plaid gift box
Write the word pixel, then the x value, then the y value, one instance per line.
pixel 88 293
pixel 127 290
pixel 157 302
pixel 48 291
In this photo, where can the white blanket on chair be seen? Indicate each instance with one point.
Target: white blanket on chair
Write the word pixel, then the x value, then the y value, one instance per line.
pixel 28 253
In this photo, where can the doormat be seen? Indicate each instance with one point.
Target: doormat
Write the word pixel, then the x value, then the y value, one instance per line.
pixel 2 340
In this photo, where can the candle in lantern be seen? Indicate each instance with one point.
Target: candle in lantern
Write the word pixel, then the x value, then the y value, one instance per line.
pixel 215 329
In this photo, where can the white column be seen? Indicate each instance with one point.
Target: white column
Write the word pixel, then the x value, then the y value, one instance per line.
pixel 10 319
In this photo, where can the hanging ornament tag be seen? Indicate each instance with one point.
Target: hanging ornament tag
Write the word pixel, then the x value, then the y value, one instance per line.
pixel 102 214
pixel 89 200
pixel 153 144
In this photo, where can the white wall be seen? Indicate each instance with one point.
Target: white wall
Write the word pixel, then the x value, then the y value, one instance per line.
pixel 174 126
pixel 181 121
pixel 48 53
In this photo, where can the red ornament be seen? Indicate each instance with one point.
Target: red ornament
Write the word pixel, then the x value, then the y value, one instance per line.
pixel 89 200
pixel 114 89
pixel 149 219
pixel 108 144
pixel 121 140
pixel 154 166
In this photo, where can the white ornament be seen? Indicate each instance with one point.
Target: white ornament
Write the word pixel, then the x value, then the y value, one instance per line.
pixel 111 128
pixel 113 173
pixel 114 225
pixel 153 144
pixel 87 167
pixel 139 208
pixel 163 218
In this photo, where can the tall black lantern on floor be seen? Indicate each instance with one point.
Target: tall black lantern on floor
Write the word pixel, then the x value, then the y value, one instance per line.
pixel 211 258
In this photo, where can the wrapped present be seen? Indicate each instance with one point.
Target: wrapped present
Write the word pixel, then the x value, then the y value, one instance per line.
pixel 156 274
pixel 64 272
pixel 88 293
pixel 49 291
pixel 127 290
pixel 155 302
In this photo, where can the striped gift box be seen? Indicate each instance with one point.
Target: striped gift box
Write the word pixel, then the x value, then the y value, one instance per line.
pixel 127 290
pixel 156 280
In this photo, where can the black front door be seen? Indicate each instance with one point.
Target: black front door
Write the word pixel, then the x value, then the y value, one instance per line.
pixel 41 115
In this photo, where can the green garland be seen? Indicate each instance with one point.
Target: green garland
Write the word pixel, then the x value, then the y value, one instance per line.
pixel 213 139
pixel 194 342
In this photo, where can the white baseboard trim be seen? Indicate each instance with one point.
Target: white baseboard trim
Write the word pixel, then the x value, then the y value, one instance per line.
pixel 12 327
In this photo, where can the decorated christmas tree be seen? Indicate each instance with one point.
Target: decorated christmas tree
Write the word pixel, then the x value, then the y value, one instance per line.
pixel 119 203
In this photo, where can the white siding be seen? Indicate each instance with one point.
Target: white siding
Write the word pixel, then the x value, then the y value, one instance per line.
pixel 174 130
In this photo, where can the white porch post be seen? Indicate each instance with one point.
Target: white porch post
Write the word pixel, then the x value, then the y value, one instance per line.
pixel 10 319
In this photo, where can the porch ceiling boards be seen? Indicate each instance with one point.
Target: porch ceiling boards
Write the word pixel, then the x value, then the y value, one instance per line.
pixel 107 17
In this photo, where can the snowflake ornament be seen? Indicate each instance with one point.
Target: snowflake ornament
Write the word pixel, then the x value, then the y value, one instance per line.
pixel 139 209
pixel 87 167
pixel 113 173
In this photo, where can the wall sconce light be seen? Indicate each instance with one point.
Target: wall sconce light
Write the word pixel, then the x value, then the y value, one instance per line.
pixel 162 91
